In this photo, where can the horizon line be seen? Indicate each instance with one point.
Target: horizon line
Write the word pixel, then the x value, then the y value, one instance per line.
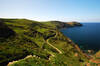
pixel 52 20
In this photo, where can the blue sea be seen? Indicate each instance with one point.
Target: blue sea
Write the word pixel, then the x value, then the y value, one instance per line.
pixel 86 36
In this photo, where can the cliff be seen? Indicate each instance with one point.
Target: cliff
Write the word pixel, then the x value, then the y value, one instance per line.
pixel 59 24
pixel 31 43
pixel 74 23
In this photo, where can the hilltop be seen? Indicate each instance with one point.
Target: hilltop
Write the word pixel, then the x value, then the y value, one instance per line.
pixel 36 43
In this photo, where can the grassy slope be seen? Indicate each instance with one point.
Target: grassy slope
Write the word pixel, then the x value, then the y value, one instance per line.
pixel 30 38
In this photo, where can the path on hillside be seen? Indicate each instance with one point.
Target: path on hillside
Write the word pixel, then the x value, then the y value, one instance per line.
pixel 53 47
pixel 47 41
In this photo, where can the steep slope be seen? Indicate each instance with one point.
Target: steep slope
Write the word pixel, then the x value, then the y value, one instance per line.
pixel 95 59
pixel 45 44
pixel 5 31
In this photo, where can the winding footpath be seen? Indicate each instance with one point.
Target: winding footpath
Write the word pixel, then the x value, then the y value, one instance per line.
pixel 47 41
pixel 53 47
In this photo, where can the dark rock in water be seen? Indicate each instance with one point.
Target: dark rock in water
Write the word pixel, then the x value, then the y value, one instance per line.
pixel 5 31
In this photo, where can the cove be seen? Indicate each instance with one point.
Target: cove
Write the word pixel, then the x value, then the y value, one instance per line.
pixel 86 36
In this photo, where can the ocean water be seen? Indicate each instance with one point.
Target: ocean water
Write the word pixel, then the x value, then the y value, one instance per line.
pixel 86 36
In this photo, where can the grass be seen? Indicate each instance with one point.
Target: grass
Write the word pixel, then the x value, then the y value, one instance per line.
pixel 30 39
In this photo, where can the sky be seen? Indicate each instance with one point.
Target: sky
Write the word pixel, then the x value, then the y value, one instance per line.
pixel 45 10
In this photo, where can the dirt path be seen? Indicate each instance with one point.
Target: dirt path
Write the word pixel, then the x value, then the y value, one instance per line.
pixel 47 41
pixel 53 47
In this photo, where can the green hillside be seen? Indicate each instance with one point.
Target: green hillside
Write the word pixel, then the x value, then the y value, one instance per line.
pixel 32 43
